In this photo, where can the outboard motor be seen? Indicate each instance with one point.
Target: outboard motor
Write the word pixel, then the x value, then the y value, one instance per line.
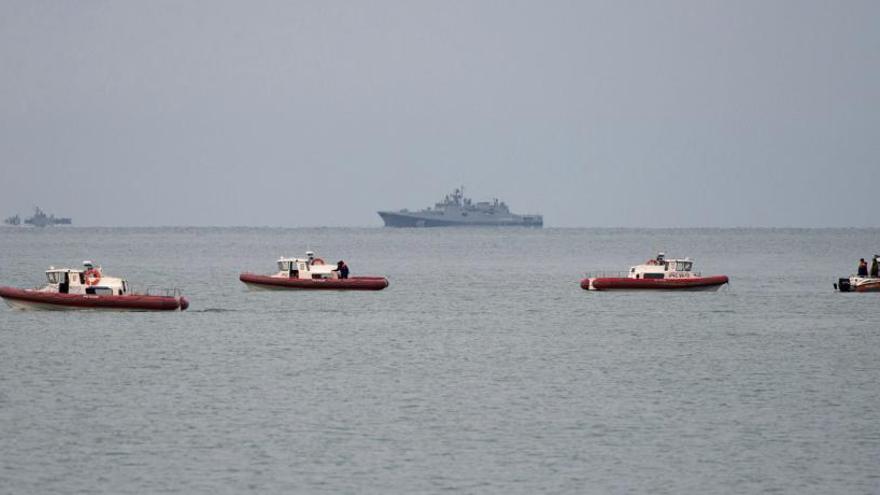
pixel 843 285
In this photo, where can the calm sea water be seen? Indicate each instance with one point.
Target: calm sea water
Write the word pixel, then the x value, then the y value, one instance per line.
pixel 482 368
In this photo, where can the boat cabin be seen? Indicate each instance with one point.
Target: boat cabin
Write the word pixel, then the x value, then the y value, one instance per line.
pixel 88 280
pixel 309 268
pixel 662 268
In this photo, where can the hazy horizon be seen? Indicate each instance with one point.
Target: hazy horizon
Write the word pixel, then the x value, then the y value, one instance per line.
pixel 646 114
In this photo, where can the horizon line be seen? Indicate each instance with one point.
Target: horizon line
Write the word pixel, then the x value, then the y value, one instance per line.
pixel 494 227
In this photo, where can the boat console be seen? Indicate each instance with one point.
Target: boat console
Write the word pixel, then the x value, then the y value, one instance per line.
pixel 663 268
pixel 308 268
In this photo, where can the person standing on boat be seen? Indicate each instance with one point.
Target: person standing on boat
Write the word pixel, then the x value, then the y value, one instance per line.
pixel 863 268
pixel 342 269
pixel 875 269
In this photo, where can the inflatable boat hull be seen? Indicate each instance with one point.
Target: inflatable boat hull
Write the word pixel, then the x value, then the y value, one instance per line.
pixel 266 282
pixel 28 299
pixel 858 284
pixel 868 287
pixel 620 283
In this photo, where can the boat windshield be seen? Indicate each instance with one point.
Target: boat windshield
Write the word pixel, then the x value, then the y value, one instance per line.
pixel 683 266
pixel 54 277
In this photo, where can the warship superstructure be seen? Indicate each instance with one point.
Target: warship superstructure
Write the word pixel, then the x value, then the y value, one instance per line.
pixel 40 219
pixel 457 210
pixel 13 220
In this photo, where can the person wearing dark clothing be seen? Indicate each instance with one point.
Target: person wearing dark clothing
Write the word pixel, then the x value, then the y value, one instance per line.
pixel 342 268
pixel 64 286
pixel 863 268
pixel 875 268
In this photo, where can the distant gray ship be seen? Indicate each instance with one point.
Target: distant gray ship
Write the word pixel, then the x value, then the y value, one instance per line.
pixel 40 219
pixel 457 210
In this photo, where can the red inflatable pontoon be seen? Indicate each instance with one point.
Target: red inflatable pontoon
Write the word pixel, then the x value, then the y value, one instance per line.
pixel 620 283
pixel 35 299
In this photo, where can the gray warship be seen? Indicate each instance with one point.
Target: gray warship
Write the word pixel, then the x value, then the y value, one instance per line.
pixel 40 219
pixel 13 220
pixel 456 210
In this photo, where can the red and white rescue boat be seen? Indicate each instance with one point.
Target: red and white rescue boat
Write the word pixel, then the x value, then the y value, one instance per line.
pixel 657 274
pixel 866 282
pixel 89 288
pixel 311 273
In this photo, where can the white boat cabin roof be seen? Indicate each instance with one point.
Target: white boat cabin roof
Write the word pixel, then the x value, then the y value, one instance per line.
pixel 87 265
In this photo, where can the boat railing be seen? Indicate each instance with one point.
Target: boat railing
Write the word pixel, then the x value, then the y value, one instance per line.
pixel 159 291
pixel 607 274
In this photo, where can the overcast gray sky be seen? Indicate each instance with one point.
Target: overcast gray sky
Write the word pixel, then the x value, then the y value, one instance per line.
pixel 656 113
